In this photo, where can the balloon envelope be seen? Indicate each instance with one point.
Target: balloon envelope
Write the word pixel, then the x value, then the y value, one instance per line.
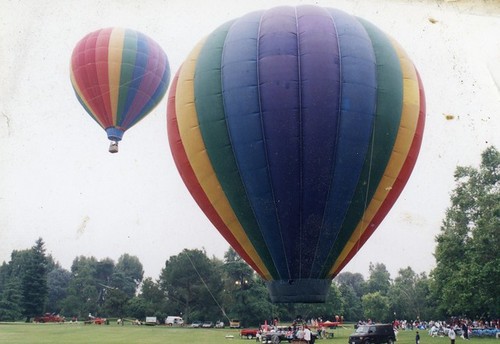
pixel 295 129
pixel 119 76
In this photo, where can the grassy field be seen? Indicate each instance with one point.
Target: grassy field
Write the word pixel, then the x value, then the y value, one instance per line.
pixel 14 333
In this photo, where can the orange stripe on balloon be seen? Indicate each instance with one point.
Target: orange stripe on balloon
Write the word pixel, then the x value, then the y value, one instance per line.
pixel 115 51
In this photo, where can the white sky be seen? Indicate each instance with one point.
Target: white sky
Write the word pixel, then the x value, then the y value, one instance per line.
pixel 58 181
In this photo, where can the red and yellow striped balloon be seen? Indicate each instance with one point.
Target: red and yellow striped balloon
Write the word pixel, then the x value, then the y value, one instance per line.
pixel 119 76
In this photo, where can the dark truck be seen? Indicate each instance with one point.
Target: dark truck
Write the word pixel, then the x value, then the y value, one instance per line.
pixel 373 334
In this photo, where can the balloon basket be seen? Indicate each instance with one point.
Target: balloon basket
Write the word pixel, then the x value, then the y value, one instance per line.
pixel 300 290
pixel 113 147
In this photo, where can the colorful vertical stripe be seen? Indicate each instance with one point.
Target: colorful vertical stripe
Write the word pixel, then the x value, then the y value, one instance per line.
pixel 299 127
pixel 119 76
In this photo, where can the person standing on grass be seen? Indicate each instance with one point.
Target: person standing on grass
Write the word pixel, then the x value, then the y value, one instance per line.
pixel 299 334
pixel 417 338
pixel 452 335
pixel 465 331
pixel 307 334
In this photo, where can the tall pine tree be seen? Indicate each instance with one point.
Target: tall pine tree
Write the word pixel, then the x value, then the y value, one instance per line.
pixel 34 282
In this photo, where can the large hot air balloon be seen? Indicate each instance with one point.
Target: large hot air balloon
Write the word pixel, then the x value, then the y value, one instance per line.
pixel 295 129
pixel 119 76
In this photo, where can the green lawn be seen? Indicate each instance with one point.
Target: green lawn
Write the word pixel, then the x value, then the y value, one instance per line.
pixel 13 333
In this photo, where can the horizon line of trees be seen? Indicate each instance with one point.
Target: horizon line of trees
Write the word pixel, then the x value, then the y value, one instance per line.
pixel 192 285
pixel 463 283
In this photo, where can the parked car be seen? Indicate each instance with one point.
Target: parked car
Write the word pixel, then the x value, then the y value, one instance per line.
pixel 249 333
pixel 373 334
pixel 207 324
pixel 219 324
pixel 196 324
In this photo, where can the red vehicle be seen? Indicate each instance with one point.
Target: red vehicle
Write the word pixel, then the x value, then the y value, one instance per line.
pixel 47 317
pixel 96 321
pixel 99 321
pixel 249 333
pixel 330 324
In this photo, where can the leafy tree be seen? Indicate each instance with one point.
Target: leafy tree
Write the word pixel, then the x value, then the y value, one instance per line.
pixel 379 280
pixel 52 263
pixel 132 272
pixel 355 280
pixel 11 287
pixel 193 285
pixel 10 301
pixel 408 295
pixel 34 282
pixel 351 287
pixel 151 301
pixel 18 262
pixel 100 287
pixel 334 305
pixel 251 304
pixel 351 303
pixel 57 282
pixel 4 275
pixel 117 284
pixel 84 294
pixel 468 247
pixel 245 295
pixel 154 298
pixel 115 303
pixel 376 307
pixel 103 269
pixel 102 275
pixel 119 281
pixel 236 271
pixel 426 298
pixel 137 308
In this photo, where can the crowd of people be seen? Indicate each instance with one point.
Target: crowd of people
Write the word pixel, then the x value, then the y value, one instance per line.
pixel 304 330
pixel 300 332
pixel 455 326
pixel 452 322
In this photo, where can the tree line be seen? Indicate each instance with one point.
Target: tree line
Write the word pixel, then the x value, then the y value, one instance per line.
pixel 463 283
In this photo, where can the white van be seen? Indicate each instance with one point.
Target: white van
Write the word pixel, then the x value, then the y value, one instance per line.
pixel 174 321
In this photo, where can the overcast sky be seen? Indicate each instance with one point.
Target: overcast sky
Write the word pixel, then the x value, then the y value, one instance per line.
pixel 58 181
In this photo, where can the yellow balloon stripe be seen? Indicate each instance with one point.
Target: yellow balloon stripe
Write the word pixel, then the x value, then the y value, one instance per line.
pixel 407 127
pixel 200 162
pixel 115 50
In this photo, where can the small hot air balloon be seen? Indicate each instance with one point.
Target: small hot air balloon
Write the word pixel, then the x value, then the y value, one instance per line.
pixel 119 76
pixel 295 129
